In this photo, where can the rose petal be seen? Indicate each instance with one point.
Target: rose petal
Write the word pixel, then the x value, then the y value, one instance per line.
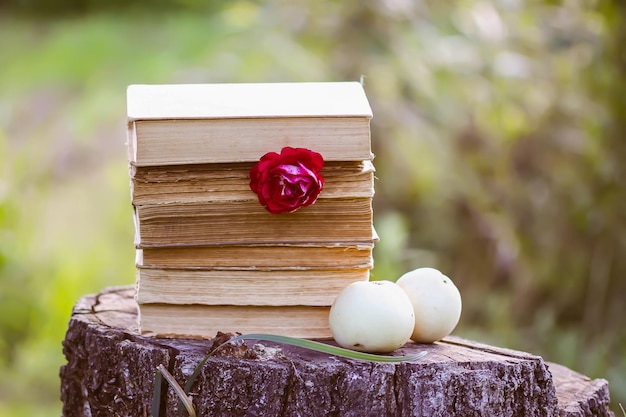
pixel 286 182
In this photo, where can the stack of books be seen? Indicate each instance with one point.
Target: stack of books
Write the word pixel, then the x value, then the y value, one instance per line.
pixel 210 257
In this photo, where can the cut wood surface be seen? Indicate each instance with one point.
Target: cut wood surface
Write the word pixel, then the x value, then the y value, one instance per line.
pixel 110 371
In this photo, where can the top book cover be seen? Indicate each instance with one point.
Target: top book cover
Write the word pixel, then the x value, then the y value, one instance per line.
pixel 246 100
pixel 215 123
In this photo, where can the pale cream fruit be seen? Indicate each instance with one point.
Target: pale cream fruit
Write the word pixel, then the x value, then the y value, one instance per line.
pixel 436 303
pixel 372 316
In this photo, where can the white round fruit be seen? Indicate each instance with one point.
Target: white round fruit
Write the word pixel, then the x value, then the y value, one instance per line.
pixel 436 303
pixel 372 316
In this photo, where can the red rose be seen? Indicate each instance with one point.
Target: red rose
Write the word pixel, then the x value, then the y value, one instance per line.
pixel 288 181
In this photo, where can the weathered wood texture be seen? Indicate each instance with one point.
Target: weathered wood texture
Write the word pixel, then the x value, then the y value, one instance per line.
pixel 111 370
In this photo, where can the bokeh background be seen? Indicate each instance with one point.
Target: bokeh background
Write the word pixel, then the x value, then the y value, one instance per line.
pixel 499 131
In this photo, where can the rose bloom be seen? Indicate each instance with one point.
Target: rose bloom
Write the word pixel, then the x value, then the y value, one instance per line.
pixel 287 181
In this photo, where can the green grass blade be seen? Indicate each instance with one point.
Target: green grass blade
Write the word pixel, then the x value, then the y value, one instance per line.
pixel 184 399
pixel 323 347
pixel 307 344
pixel 155 411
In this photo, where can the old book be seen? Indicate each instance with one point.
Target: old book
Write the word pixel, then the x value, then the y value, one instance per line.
pixel 199 321
pixel 224 182
pixel 240 287
pixel 258 257
pixel 214 123
pixel 331 220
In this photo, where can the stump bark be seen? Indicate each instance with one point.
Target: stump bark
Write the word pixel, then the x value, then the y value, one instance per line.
pixel 110 371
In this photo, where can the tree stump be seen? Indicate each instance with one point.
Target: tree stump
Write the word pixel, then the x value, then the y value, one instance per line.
pixel 111 372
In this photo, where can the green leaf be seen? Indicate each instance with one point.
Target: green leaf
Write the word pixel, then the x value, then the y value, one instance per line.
pixel 323 347
pixel 307 344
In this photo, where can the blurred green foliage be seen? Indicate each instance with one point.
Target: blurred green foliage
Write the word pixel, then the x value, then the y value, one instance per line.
pixel 498 131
